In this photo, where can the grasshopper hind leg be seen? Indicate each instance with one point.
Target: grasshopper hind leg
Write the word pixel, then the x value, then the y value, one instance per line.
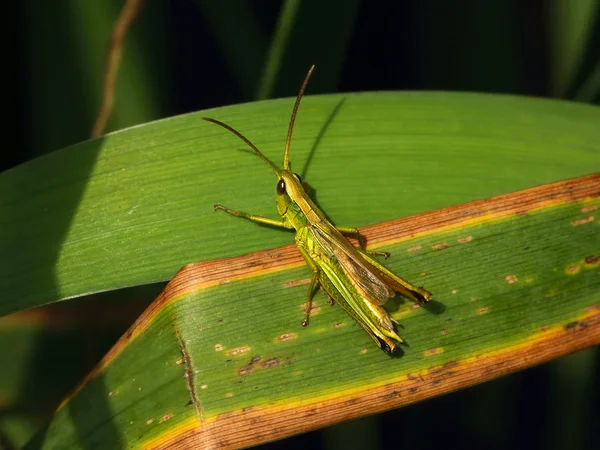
pixel 361 241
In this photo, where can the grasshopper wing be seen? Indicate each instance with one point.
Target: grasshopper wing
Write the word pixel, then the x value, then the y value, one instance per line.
pixel 363 277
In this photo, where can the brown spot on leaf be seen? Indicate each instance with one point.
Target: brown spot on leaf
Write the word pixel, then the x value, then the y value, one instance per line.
pixel 149 421
pixel 415 248
pixel 295 283
pixel 166 417
pixel 229 395
pixel 577 325
pixel 483 310
pixel 465 240
pixel 338 324
pixel 572 269
pixel 591 261
pixel 441 246
pixel 583 221
pixel 587 209
pixel 218 348
pixel 273 362
pixel 250 366
pixel 433 351
pixel 593 308
pixel 245 370
pixel 179 361
pixel 363 351
pixel 444 332
pixel 285 337
pixel 510 279
pixel 238 350
pixel 543 328
pixel 391 395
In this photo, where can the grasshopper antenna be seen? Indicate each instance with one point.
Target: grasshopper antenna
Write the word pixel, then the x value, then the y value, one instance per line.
pixel 286 154
pixel 247 141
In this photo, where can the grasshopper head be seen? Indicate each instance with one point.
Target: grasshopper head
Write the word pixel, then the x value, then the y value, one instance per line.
pixel 289 188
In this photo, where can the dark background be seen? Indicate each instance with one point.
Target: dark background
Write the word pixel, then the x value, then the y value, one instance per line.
pixel 184 55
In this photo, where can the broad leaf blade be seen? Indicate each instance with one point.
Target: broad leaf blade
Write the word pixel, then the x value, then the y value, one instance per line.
pixel 133 207
pixel 220 360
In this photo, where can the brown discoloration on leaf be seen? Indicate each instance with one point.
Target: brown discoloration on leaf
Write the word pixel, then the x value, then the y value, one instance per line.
pixel 444 332
pixel 269 363
pixel 510 279
pixel 465 240
pixel 391 395
pixel 238 351
pixel 589 208
pixel 583 221
pixel 433 351
pixel 250 366
pixel 295 283
pixel 441 246
pixel 572 269
pixel 338 324
pixel 166 417
pixel 245 370
pixel 218 348
pixel 415 248
pixel 286 337
pixel 189 373
pixel 483 310
pixel 577 325
pixel 591 261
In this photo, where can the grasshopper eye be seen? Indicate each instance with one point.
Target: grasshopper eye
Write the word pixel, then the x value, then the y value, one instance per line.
pixel 281 187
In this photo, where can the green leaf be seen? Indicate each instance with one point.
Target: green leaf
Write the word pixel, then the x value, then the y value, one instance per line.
pixel 220 360
pixel 133 207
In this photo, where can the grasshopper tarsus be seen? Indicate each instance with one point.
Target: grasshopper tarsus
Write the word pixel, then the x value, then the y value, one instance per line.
pixel 304 323
pixel 385 255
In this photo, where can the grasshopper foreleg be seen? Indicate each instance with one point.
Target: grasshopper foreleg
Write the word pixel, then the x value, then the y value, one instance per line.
pixel 253 218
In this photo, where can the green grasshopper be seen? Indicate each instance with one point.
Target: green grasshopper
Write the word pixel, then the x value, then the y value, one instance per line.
pixel 349 275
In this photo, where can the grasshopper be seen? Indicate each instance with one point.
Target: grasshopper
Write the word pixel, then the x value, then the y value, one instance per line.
pixel 349 275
